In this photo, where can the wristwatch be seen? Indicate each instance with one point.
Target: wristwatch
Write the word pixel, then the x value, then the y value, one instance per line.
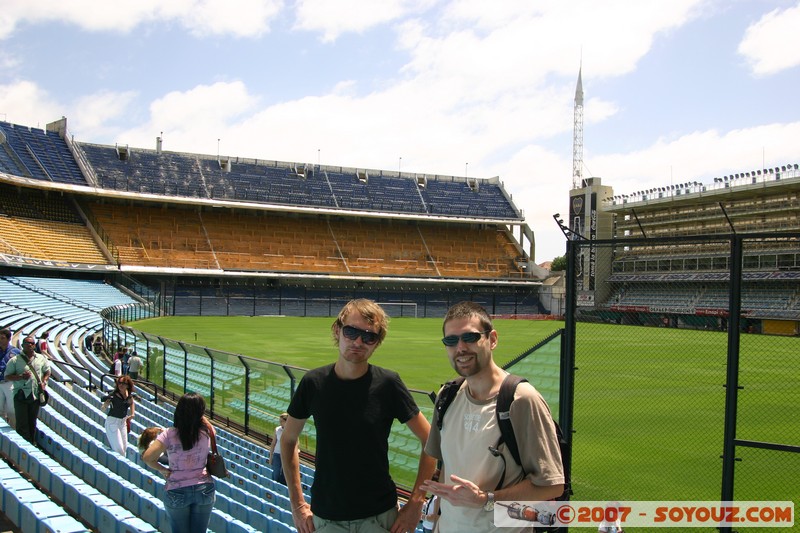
pixel 489 505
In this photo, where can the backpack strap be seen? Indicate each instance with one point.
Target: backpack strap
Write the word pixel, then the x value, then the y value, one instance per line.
pixel 446 397
pixel 503 412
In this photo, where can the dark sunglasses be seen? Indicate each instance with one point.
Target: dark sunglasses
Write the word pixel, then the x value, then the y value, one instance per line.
pixel 367 337
pixel 468 337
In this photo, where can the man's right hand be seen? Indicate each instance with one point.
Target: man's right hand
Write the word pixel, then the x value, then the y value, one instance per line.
pixel 303 518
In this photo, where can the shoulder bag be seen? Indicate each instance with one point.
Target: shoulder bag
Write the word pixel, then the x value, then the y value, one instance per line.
pixel 215 464
pixel 43 396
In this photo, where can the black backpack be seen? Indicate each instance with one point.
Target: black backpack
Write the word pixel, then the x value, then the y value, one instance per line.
pixel 504 399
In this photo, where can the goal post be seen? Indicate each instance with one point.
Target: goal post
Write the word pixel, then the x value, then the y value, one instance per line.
pixel 399 309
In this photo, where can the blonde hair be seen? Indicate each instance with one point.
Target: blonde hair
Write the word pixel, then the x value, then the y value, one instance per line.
pixel 369 311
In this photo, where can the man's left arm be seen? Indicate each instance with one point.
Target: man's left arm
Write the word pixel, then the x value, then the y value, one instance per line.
pixel 408 518
pixel 539 448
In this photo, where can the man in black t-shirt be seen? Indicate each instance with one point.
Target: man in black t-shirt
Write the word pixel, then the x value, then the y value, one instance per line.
pixel 353 404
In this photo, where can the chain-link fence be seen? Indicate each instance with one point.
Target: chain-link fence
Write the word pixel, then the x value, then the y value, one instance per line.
pixel 687 357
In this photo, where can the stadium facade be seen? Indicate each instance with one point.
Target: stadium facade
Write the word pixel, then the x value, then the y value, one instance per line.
pixel 663 255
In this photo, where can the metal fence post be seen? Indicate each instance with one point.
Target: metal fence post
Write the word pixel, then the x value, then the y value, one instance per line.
pixel 212 376
pixel 567 378
pixel 732 378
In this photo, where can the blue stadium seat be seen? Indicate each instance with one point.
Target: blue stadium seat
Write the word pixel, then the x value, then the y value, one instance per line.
pixel 26 506
pixel 16 501
pixel 31 516
pixel 61 524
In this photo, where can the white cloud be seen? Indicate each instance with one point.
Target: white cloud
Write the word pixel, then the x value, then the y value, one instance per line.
pixel 539 181
pixel 244 18
pixel 701 156
pixel 92 114
pixel 773 43
pixel 335 17
pixel 519 46
pixel 24 102
pixel 193 120
pixel 8 62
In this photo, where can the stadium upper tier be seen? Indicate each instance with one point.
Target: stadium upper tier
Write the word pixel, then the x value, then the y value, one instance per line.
pixel 34 153
pixel 272 182
pixel 45 155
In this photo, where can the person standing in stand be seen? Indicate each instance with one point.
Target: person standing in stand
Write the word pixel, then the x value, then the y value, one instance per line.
pixel 126 357
pixel 120 400
pixel 7 351
pixel 474 478
pixel 29 371
pixel 42 346
pixel 430 514
pixel 88 342
pixel 134 365
pixel 97 345
pixel 275 452
pixel 354 405
pixel 190 490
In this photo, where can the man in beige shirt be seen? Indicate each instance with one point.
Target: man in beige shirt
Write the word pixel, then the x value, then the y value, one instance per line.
pixel 470 474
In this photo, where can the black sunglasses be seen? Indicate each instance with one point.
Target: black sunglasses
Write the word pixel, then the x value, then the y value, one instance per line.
pixel 367 337
pixel 468 337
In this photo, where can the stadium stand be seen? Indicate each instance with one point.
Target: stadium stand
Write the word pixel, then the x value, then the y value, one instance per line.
pixel 26 505
pixel 671 262
pixel 258 241
pixel 36 225
pixel 124 495
pixel 39 154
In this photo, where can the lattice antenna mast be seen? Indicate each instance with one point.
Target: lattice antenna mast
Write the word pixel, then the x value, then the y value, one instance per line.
pixel 577 137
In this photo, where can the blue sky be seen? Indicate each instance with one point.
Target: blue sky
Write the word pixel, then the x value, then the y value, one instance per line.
pixel 675 90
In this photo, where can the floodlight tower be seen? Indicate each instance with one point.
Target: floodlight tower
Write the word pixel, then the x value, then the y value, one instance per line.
pixel 577 136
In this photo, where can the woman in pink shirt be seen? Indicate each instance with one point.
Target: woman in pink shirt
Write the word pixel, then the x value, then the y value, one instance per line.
pixel 190 494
